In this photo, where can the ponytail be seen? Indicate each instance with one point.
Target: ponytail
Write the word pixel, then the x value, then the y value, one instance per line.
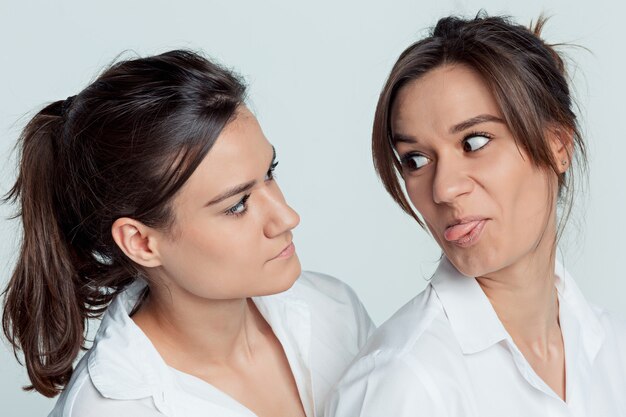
pixel 123 147
pixel 43 315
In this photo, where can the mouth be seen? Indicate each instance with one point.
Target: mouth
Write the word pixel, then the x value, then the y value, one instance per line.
pixel 465 232
pixel 287 252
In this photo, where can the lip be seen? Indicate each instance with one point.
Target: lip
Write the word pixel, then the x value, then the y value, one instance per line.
pixel 287 252
pixel 466 231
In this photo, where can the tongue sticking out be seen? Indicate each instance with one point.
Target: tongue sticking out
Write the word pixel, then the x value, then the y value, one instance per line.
pixel 456 232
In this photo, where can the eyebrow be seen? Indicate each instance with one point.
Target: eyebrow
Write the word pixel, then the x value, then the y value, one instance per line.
pixel 399 137
pixel 231 192
pixel 241 188
pixel 459 127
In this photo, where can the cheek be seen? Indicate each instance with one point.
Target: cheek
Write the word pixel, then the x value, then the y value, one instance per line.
pixel 531 204
pixel 523 194
pixel 518 189
pixel 234 243
pixel 419 190
pixel 212 259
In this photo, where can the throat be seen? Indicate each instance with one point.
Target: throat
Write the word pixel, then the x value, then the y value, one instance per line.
pixel 529 311
pixel 548 362
pixel 205 334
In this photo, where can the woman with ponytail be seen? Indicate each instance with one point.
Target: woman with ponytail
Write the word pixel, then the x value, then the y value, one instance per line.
pixel 150 197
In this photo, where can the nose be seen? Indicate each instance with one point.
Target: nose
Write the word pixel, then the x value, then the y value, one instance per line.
pixel 281 217
pixel 450 181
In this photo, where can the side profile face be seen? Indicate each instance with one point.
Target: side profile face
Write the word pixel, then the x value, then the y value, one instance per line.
pixel 483 200
pixel 231 236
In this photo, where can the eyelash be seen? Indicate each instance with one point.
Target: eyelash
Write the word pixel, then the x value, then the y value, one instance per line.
pixel 233 211
pixel 404 161
pixel 270 173
pixel 478 133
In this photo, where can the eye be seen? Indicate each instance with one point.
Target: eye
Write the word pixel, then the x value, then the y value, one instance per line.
pixel 269 176
pixel 414 161
pixel 239 208
pixel 475 141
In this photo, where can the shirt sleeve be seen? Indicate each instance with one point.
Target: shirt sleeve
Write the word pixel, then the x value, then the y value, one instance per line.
pixel 395 387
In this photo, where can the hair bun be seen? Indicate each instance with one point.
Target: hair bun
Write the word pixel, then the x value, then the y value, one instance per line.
pixel 449 26
pixel 536 28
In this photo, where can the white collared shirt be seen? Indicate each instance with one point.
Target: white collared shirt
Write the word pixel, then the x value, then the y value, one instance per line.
pixel 319 322
pixel 446 353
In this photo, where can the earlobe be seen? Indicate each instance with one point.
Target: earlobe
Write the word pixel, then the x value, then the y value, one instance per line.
pixel 136 241
pixel 561 143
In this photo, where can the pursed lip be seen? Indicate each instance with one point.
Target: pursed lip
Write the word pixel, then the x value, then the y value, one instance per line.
pixel 463 220
pixel 283 250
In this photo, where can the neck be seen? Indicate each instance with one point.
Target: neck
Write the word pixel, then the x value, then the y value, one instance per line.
pixel 187 329
pixel 525 299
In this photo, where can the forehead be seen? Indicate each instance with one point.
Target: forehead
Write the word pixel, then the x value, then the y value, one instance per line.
pixel 440 99
pixel 239 143
pixel 240 153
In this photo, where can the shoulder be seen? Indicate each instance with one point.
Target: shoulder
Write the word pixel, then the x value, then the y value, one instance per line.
pixel 82 399
pixel 330 299
pixel 325 293
pixel 317 285
pixel 613 325
pixel 406 362
pixel 609 319
pixel 116 376
pixel 89 402
pixel 386 383
pixel 420 326
pixel 65 403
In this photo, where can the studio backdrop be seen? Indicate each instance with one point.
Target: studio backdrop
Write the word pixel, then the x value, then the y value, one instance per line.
pixel 315 70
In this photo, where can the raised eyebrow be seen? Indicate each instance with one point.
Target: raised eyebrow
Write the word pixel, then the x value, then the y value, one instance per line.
pixel 466 124
pixel 232 192
pixel 399 137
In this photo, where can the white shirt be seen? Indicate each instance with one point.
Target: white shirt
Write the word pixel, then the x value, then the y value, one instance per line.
pixel 446 353
pixel 319 322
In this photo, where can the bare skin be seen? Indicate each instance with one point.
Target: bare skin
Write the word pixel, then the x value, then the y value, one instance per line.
pixel 223 249
pixel 462 167
pixel 526 302
pixel 239 355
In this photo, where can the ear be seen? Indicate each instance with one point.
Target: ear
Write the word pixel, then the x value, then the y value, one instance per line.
pixel 137 241
pixel 562 146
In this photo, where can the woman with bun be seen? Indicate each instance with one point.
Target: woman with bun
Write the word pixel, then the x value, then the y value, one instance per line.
pixel 475 122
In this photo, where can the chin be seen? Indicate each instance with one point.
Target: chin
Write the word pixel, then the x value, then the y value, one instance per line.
pixel 472 263
pixel 282 277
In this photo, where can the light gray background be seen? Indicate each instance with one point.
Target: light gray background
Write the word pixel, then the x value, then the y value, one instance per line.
pixel 315 70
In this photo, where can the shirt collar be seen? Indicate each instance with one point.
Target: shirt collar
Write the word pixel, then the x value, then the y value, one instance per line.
pixel 124 364
pixel 577 316
pixel 289 316
pixel 477 326
pixel 471 315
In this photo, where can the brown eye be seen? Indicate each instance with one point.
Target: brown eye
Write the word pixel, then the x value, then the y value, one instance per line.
pixel 474 143
pixel 414 161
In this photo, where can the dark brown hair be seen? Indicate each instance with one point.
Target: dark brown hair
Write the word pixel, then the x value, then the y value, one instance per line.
pixel 526 75
pixel 122 147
